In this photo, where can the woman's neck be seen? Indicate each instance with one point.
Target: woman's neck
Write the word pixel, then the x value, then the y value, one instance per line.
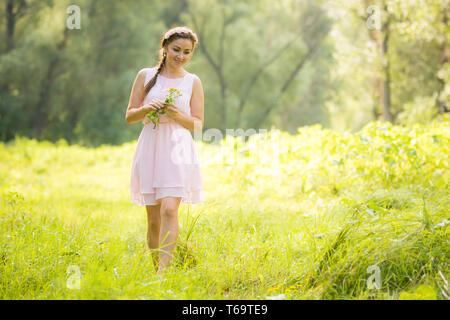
pixel 170 72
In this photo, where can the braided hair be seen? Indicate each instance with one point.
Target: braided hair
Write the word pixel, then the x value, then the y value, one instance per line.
pixel 162 56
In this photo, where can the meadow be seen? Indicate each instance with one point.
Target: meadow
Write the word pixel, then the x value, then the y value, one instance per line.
pixel 317 215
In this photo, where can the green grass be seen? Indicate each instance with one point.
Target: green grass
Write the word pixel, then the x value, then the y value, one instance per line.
pixel 305 221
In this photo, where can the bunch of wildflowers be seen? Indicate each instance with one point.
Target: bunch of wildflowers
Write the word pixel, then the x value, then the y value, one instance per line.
pixel 153 116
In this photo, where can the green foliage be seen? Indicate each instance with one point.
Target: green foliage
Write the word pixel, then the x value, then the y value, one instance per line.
pixel 423 292
pixel 297 216
pixel 422 110
pixel 78 80
pixel 62 83
pixel 416 58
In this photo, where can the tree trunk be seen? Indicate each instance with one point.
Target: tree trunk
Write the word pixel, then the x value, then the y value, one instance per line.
pixel 39 119
pixel 441 104
pixel 386 103
pixel 311 50
pixel 10 25
pixel 217 66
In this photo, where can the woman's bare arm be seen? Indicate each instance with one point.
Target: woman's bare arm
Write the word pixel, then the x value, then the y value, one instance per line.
pixel 135 112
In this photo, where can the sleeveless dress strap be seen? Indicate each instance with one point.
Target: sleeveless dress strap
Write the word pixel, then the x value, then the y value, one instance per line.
pixel 191 78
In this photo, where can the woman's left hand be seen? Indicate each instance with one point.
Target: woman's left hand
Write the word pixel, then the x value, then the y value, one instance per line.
pixel 172 111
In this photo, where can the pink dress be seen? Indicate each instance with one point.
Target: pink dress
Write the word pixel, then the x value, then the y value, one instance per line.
pixel 165 163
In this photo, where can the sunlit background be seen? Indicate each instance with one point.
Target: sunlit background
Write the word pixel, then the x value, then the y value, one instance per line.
pixel 285 63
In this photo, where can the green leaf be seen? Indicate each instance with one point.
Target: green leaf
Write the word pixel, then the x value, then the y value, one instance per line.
pixel 423 292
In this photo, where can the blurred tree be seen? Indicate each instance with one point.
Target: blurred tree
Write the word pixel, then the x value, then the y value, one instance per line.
pixel 314 26
pixel 400 61
pixel 16 10
pixel 69 83
pixel 378 19
pixel 246 42
pixel 286 63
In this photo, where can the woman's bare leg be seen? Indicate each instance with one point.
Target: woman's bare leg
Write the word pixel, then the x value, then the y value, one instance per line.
pixel 169 230
pixel 153 230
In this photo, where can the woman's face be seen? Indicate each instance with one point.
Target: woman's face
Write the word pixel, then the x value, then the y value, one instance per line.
pixel 179 52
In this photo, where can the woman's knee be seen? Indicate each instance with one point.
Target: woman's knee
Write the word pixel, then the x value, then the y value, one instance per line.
pixel 169 208
pixel 169 212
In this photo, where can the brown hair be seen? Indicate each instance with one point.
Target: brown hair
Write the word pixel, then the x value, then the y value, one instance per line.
pixel 162 58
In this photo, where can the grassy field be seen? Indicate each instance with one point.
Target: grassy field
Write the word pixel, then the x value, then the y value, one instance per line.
pixel 318 215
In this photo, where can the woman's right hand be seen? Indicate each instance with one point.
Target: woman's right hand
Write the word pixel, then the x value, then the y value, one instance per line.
pixel 153 105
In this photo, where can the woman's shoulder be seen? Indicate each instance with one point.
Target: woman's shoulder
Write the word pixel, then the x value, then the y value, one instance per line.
pixel 195 80
pixel 147 74
pixel 193 76
pixel 147 70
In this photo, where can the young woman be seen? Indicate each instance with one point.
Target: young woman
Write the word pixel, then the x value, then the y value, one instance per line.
pixel 165 169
